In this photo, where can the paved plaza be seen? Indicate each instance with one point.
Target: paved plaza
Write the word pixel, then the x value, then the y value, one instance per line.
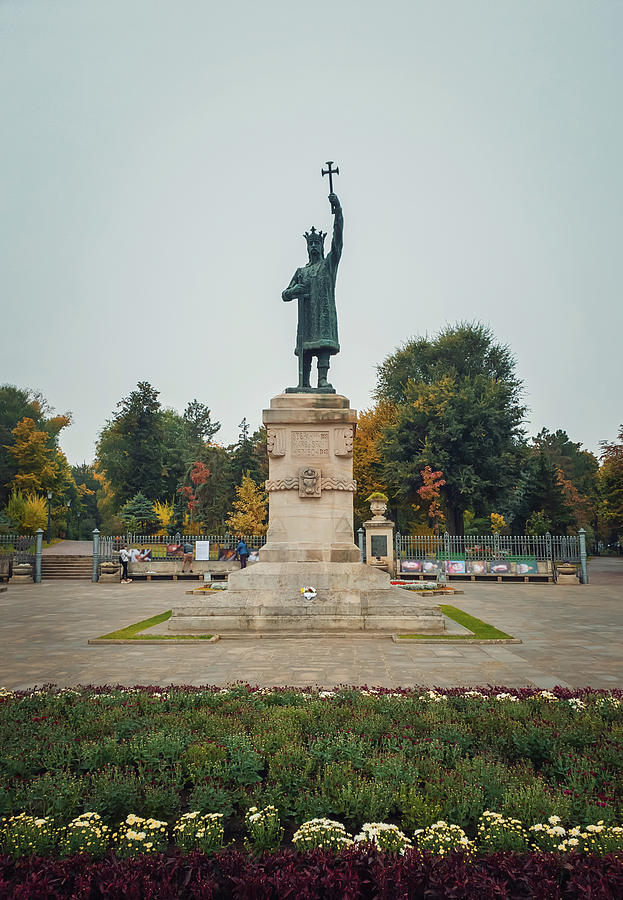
pixel 571 636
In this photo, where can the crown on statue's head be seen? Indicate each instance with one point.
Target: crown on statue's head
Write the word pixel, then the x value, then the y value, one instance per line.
pixel 312 236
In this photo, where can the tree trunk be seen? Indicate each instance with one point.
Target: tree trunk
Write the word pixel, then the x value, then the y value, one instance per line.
pixel 454 519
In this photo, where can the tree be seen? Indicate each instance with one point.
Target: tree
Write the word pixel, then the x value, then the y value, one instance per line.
pixel 164 513
pixel 16 510
pixel 538 523
pixel 249 516
pixel 107 508
pixel 611 487
pixel 578 474
pixel 35 514
pixel 27 512
pixel 367 462
pixel 130 447
pixel 33 457
pixel 498 523
pixel 537 487
pixel 215 494
pixel 200 428
pixel 139 510
pixel 15 404
pixel 88 493
pixel 431 492
pixel 458 411
pixel 249 455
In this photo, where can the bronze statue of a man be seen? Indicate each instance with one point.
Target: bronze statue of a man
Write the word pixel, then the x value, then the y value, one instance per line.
pixel 313 285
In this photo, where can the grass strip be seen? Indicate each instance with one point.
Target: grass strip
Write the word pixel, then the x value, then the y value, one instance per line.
pixel 481 631
pixel 131 632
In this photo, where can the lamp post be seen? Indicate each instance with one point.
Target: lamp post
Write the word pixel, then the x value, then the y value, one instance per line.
pixel 49 515
pixel 67 520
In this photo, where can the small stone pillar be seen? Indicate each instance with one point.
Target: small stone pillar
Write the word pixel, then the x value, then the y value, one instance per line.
pixel 38 554
pixel 583 566
pixel 96 554
pixel 379 536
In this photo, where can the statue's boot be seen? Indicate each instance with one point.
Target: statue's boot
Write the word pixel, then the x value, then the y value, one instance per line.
pixel 323 384
pixel 306 369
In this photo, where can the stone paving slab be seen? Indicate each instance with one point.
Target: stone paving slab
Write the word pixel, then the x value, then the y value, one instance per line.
pixel 572 635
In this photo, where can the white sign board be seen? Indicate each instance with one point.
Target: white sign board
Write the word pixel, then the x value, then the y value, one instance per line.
pixel 202 550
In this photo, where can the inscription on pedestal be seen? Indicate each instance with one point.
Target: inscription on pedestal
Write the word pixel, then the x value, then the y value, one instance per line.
pixel 310 443
pixel 379 545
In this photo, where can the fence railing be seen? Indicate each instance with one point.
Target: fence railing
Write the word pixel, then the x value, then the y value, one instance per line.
pixel 492 553
pixel 158 548
pixel 19 547
pixel 554 547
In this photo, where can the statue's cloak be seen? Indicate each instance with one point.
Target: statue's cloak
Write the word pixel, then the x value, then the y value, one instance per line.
pixel 317 319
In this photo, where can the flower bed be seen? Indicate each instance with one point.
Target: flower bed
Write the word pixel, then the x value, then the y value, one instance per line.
pixel 354 874
pixel 375 761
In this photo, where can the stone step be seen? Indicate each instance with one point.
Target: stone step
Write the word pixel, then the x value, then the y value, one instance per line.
pixel 73 568
pixel 61 577
pixel 53 560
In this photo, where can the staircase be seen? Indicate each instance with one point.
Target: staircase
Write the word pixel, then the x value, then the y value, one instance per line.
pixel 76 568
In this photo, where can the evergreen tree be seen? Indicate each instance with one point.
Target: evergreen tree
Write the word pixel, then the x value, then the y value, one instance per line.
pixel 139 510
pixel 200 428
pixel 538 489
pixel 131 447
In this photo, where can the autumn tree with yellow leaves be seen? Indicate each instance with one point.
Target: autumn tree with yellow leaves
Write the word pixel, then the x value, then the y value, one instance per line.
pixel 250 509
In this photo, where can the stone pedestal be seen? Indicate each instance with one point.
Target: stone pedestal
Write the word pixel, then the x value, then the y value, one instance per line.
pixel 310 481
pixel 310 540
pixel 380 542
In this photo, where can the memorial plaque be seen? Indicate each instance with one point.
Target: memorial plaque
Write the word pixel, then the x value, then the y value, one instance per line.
pixel 310 443
pixel 378 545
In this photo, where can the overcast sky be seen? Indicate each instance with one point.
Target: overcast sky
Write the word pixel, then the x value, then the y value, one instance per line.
pixel 160 161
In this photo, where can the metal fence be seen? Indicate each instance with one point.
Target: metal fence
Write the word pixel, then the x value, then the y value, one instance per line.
pixel 163 547
pixel 20 548
pixel 490 554
pixel 513 547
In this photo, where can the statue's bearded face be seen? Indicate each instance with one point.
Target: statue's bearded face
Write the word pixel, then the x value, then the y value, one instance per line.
pixel 314 248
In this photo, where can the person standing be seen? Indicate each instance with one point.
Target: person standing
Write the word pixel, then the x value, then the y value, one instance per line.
pixel 242 552
pixel 124 559
pixel 187 547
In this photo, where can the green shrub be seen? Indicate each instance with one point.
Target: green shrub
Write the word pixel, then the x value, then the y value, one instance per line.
pixel 291 768
pixel 59 794
pixel 534 802
pixel 415 809
pixel 202 759
pixel 243 765
pixel 209 795
pixel 113 793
